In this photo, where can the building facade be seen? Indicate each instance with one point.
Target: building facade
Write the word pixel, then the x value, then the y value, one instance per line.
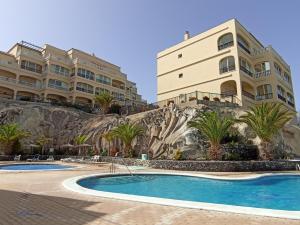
pixel 32 73
pixel 225 63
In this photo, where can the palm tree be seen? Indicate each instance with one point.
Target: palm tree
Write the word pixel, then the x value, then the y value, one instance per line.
pixel 266 120
pixel 80 140
pixel 214 128
pixel 127 133
pixel 9 134
pixel 104 99
pixel 108 136
pixel 42 141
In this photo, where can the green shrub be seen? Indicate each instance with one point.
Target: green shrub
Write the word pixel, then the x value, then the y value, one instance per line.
pixel 178 154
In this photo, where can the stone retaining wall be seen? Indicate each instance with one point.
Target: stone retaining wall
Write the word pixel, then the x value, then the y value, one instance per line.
pixel 208 166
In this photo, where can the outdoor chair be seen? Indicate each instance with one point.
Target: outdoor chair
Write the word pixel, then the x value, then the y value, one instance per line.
pixel 50 158
pixel 17 158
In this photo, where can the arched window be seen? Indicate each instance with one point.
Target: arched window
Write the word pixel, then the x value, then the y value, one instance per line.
pixel 243 43
pixel 227 64
pixel 246 67
pixel 281 93
pixel 225 41
pixel 264 92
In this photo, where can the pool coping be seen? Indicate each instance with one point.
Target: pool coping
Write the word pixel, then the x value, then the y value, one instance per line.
pixel 41 170
pixel 71 184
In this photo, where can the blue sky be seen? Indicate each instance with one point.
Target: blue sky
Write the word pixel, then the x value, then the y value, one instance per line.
pixel 129 33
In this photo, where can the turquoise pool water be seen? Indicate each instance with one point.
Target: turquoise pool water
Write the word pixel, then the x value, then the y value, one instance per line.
pixel 272 192
pixel 34 167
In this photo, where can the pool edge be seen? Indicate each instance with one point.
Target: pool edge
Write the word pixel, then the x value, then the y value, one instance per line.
pixel 71 184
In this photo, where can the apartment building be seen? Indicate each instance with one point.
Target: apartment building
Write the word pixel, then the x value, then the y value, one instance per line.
pixel 33 73
pixel 223 64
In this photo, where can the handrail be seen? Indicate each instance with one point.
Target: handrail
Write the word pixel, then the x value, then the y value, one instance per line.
pixel 126 167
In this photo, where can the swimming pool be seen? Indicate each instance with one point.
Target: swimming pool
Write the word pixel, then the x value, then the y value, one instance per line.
pixel 34 166
pixel 271 195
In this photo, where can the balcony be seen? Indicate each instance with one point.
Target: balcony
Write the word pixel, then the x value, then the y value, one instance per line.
pixel 264 73
pixel 225 45
pixel 227 69
pixel 29 84
pixel 264 97
pixel 248 95
pixel 8 79
pixel 291 103
pixel 245 70
pixel 32 69
pixel 84 90
pixel 58 87
pixel 244 48
pixel 282 98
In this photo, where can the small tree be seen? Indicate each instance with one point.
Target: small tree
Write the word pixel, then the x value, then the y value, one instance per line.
pixel 266 120
pixel 9 134
pixel 214 128
pixel 104 99
pixel 108 136
pixel 80 139
pixel 42 141
pixel 127 133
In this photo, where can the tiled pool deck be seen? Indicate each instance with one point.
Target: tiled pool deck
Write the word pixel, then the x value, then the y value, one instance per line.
pixel 38 198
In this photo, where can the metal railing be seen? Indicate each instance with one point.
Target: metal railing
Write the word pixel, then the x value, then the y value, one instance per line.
pixel 281 97
pixel 227 69
pixel 58 87
pixel 8 79
pixel 248 94
pixel 244 69
pixel 264 97
pixel 29 84
pixel 264 73
pixel 225 45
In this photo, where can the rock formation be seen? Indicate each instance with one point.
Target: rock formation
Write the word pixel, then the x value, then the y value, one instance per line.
pixel 166 128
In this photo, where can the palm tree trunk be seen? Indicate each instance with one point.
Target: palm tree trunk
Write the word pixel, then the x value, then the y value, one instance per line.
pixel 215 152
pixel 265 150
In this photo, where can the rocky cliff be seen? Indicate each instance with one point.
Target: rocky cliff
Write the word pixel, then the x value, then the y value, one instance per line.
pixel 166 128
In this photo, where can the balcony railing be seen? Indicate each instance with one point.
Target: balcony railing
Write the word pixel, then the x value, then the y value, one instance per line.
pixel 58 87
pixel 84 90
pixel 248 94
pixel 225 45
pixel 28 84
pixel 245 70
pixel 291 103
pixel 31 69
pixel 227 69
pixel 8 79
pixel 244 48
pixel 281 97
pixel 264 73
pixel 264 97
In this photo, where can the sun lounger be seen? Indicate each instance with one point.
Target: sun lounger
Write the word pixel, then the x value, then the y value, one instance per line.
pixel 34 158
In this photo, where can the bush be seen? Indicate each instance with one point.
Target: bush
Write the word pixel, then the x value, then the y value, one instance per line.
pixel 178 154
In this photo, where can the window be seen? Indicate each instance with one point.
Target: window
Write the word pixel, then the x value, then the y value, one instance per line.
pixel 277 68
pixel 118 96
pixel 262 69
pixel 180 75
pixel 99 90
pixel 59 70
pixel 281 93
pixel 246 67
pixel 225 41
pixel 27 65
pixel 73 72
pixel 85 74
pixel 290 100
pixel 84 88
pixel 243 44
pixel 286 77
pixel 57 84
pixel 264 92
pixel 179 56
pixel 103 79
pixel 227 64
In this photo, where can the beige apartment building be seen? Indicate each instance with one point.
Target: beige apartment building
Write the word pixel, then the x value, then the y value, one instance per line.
pixel 32 73
pixel 223 64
